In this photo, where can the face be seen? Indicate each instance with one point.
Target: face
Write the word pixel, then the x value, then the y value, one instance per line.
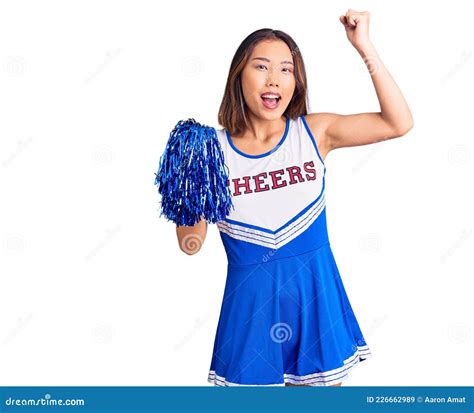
pixel 270 69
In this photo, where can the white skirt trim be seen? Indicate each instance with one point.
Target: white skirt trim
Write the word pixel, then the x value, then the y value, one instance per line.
pixel 325 378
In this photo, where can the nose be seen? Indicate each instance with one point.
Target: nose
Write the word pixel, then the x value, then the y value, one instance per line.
pixel 271 79
pixel 271 82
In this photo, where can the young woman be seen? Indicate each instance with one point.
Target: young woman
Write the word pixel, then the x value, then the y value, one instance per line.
pixel 285 317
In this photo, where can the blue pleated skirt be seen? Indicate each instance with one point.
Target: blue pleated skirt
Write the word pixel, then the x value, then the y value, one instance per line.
pixel 287 320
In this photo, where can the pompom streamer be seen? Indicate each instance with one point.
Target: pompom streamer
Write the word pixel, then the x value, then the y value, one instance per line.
pixel 192 176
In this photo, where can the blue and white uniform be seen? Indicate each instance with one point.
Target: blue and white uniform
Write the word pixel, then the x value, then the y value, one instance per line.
pixel 285 315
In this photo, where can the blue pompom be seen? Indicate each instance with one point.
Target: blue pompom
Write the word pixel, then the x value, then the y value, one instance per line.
pixel 192 176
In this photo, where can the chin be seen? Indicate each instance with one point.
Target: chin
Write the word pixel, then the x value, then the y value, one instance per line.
pixel 271 115
pixel 262 113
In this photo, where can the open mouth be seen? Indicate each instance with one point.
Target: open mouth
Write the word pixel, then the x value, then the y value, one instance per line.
pixel 270 101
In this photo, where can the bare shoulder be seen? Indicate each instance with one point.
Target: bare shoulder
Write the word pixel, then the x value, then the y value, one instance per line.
pixel 318 124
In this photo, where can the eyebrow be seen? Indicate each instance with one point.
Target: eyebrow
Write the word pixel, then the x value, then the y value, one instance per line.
pixel 268 60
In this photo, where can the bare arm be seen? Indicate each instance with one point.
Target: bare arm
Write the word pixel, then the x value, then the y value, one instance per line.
pixel 191 238
pixel 394 118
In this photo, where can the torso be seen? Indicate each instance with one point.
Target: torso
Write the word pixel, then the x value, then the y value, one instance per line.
pixel 277 194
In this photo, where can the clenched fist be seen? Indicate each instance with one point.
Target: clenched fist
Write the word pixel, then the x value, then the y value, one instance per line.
pixel 356 24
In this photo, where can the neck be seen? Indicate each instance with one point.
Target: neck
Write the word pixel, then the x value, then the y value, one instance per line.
pixel 261 129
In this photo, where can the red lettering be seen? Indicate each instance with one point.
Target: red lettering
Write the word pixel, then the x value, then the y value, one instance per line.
pixel 275 179
pixel 258 182
pixel 309 170
pixel 278 179
pixel 238 185
pixel 294 171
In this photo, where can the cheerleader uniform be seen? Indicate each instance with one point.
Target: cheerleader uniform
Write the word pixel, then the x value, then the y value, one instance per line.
pixel 285 316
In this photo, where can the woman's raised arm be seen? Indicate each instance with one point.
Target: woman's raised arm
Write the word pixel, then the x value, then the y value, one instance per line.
pixel 393 120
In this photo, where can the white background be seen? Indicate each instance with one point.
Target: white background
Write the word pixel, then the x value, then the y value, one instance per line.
pixel 93 287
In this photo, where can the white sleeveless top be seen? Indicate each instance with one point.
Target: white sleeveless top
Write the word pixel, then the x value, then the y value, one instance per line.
pixel 277 195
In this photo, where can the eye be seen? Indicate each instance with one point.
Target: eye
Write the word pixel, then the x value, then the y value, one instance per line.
pixel 289 70
pixel 259 66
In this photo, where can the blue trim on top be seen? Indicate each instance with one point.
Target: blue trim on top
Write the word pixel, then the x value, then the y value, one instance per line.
pixel 288 233
pixel 263 154
pixel 243 224
pixel 314 140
